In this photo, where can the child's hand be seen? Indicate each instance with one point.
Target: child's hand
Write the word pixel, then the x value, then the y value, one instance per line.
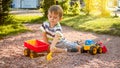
pixel 52 49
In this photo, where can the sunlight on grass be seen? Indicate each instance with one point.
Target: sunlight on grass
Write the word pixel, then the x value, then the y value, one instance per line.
pixel 27 18
pixel 93 24
pixel 108 25
pixel 11 29
pixel 14 25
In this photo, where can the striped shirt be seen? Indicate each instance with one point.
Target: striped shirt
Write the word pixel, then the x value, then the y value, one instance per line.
pixel 51 32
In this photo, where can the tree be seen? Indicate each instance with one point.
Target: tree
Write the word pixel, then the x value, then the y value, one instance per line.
pixel 104 11
pixel 47 4
pixel 4 10
pixel 97 7
pixel 88 6
pixel 76 8
pixel 65 5
pixel 115 2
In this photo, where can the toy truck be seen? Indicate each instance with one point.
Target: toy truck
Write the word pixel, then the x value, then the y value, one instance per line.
pixel 34 47
pixel 104 48
pixel 91 48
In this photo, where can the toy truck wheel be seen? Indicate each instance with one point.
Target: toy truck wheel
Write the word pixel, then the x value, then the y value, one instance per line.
pixel 93 50
pixel 99 50
pixel 26 52
pixel 33 54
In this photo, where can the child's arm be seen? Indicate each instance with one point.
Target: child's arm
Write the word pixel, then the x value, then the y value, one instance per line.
pixel 54 42
pixel 44 37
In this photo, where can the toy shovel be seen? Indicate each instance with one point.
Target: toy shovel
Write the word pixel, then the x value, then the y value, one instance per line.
pixel 49 56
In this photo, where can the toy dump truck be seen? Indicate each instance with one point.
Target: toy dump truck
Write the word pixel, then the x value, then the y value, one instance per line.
pixel 91 47
pixel 34 48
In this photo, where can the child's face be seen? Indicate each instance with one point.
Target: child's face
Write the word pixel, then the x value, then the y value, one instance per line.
pixel 53 18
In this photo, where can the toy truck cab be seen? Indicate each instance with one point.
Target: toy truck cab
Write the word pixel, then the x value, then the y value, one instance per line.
pixel 91 47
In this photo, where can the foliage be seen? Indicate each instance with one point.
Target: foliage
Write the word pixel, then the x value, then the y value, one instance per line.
pixel 65 5
pixel 76 8
pixel 4 10
pixel 97 7
pixel 104 11
pixel 47 4
pixel 88 6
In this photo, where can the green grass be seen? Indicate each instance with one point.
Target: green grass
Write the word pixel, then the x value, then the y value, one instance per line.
pixel 29 18
pixel 100 25
pixel 82 22
pixel 14 24
pixel 11 29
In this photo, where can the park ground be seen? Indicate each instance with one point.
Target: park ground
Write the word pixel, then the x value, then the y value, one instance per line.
pixel 11 51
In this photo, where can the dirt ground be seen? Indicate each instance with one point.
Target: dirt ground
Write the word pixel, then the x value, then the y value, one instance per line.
pixel 11 51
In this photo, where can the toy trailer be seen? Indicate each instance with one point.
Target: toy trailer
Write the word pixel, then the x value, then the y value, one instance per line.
pixel 33 47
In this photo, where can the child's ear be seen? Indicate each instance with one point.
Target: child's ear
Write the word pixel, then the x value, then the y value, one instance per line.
pixel 60 18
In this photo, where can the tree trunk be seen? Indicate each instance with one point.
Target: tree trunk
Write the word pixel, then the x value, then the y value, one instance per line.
pixel 1 11
pixel 47 4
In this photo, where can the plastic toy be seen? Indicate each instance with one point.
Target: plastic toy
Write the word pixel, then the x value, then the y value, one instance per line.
pixel 104 49
pixel 49 56
pixel 91 47
pixel 33 47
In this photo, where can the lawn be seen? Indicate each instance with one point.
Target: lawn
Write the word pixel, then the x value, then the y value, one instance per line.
pixel 16 24
pixel 11 29
pixel 107 25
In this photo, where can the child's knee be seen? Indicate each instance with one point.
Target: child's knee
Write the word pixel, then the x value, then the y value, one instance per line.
pixel 79 48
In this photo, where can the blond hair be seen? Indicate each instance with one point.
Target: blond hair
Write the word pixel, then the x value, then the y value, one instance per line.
pixel 56 9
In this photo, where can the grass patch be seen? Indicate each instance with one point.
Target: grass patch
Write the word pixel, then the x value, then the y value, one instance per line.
pixel 11 29
pixel 106 25
pixel 14 24
pixel 81 22
pixel 29 18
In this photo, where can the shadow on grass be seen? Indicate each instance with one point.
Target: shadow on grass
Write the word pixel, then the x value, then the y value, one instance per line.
pixel 76 20
pixel 13 33
pixel 12 29
pixel 28 18
pixel 38 20
pixel 113 30
pixel 15 26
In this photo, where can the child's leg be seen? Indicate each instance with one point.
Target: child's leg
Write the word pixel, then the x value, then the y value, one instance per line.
pixel 59 50
pixel 79 48
pixel 71 46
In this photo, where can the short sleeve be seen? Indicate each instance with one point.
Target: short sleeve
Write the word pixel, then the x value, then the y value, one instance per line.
pixel 59 32
pixel 42 28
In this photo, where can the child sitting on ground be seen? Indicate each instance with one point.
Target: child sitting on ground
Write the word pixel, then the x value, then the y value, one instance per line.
pixel 52 32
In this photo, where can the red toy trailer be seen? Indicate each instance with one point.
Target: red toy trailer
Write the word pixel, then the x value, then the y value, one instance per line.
pixel 33 47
